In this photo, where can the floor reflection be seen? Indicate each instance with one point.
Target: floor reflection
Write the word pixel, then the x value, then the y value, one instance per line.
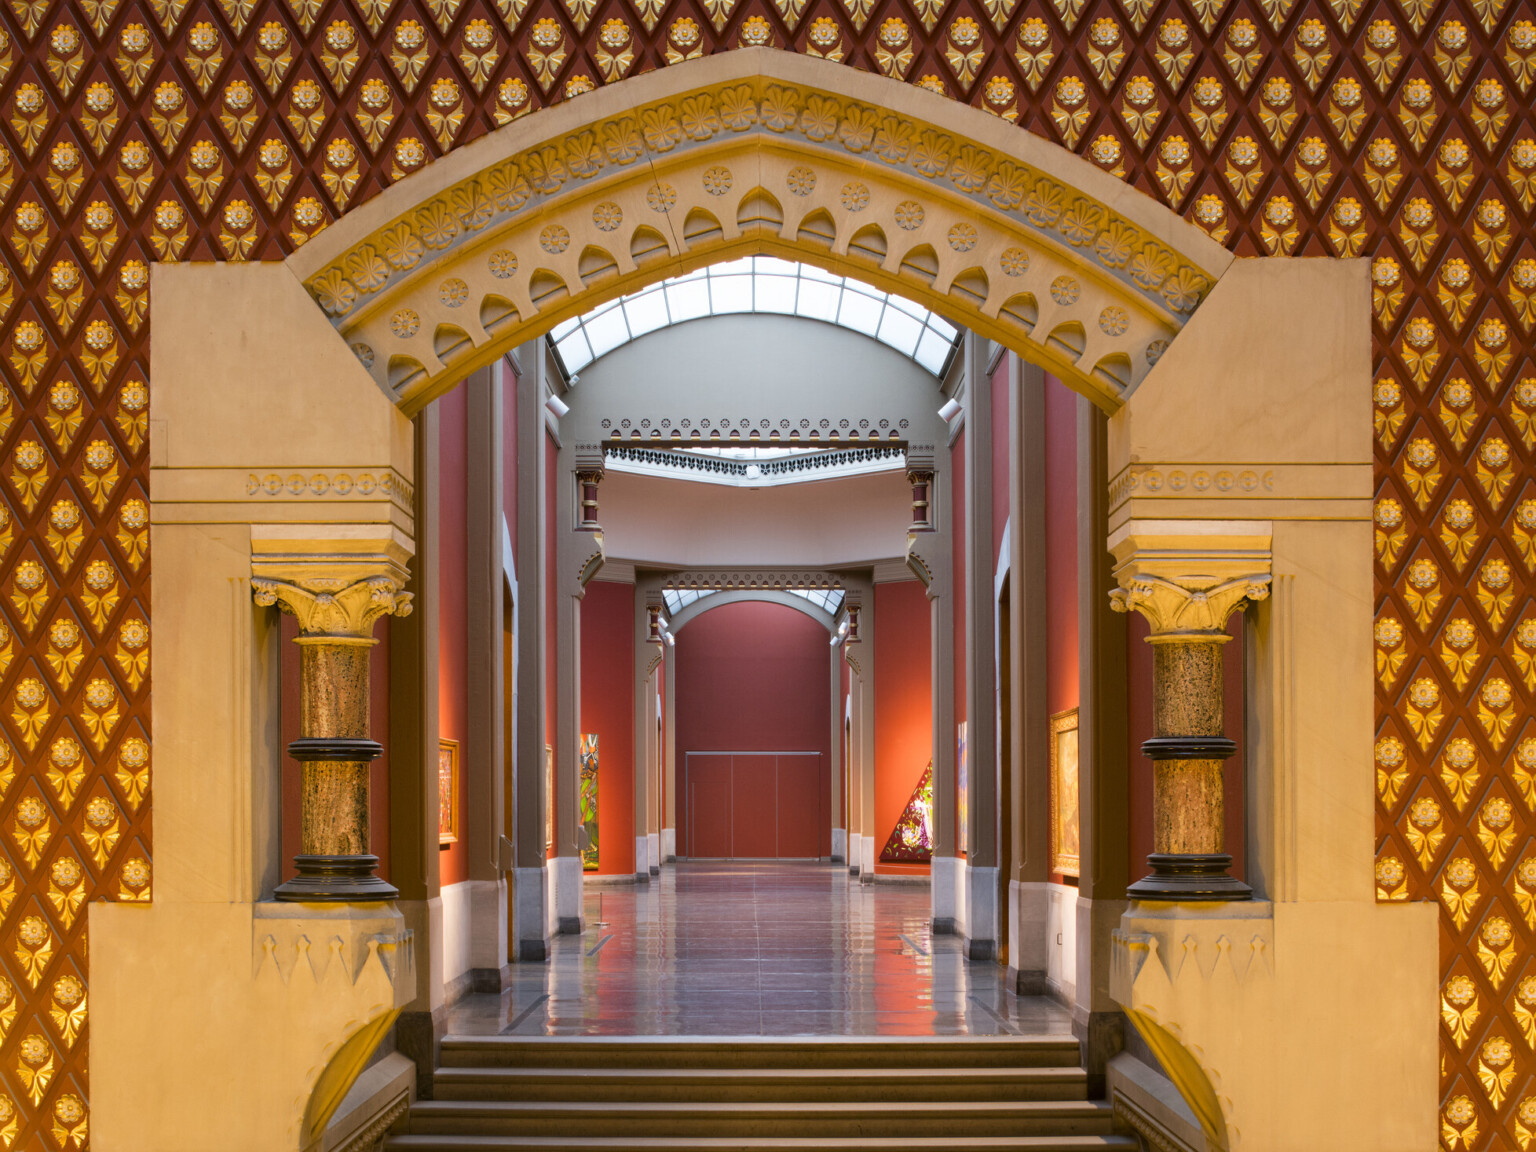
pixel 757 949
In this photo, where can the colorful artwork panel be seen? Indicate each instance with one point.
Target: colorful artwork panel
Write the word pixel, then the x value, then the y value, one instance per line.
pixel 589 800
pixel 911 841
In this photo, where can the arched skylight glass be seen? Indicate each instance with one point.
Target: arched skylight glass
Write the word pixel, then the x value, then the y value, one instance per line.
pixel 829 600
pixel 676 599
pixel 760 284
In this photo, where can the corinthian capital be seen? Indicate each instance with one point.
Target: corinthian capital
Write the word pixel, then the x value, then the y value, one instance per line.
pixel 1189 576
pixel 327 606
pixel 1174 607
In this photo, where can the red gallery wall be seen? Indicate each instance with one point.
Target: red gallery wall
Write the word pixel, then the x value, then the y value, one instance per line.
pixel 608 712
pixel 1000 493
pixel 754 677
pixel 551 606
pixel 1061 553
pixel 506 379
pixel 453 607
pixel 957 528
pixel 903 705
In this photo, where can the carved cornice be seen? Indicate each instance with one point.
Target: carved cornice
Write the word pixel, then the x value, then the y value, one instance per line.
pixel 327 606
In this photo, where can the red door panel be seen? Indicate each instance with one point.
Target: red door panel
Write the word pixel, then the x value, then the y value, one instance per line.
pixel 707 789
pixel 799 806
pixel 753 802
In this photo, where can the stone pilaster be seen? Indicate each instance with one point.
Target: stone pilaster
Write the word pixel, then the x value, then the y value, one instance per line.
pixel 1187 578
pixel 337 601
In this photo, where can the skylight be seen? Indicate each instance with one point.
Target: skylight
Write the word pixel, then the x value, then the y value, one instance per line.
pixel 829 600
pixel 760 284
pixel 677 599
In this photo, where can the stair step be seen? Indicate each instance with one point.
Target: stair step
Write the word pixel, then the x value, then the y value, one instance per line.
pixel 915 1120
pixel 415 1143
pixel 864 1052
pixel 719 1085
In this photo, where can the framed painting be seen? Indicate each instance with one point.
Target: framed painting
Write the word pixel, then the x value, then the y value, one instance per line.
pixel 588 797
pixel 447 791
pixel 963 785
pixel 1064 811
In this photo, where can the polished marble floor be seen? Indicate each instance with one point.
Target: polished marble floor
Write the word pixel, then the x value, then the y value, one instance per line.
pixel 757 949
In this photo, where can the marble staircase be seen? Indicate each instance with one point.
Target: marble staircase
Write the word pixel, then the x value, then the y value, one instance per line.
pixel 678 1094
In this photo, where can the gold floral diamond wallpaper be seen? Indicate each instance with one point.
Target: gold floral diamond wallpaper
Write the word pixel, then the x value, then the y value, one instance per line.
pixel 1401 130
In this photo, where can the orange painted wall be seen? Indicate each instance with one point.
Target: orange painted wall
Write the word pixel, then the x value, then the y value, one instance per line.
pixel 453 607
pixel 608 712
pixel 903 705
pixel 1061 658
pixel 957 529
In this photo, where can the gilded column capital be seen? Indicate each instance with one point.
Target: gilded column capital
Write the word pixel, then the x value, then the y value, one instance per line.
pixel 1188 576
pixel 1173 606
pixel 331 606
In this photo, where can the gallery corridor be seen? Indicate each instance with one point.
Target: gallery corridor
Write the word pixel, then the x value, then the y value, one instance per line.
pixel 757 949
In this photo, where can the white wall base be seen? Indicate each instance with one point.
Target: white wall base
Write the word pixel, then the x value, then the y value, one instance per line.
pixel 566 875
pixel 456 932
pixel 855 852
pixel 840 844
pixel 652 852
pixel 867 855
pixel 980 904
pixel 669 843
pixel 946 897
pixel 1027 953
pixel 487 923
pixel 1061 941
pixel 530 913
pixel 642 857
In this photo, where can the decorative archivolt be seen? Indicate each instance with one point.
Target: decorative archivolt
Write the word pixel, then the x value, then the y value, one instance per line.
pixel 769 153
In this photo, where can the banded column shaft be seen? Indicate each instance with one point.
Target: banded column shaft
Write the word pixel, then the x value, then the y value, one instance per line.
pixel 1187 597
pixel 334 750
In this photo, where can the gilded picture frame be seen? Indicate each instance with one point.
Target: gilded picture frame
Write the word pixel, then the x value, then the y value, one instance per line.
pixel 1065 831
pixel 447 791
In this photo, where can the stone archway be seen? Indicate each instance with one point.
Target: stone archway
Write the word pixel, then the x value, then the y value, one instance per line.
pixel 284 455
pixel 760 152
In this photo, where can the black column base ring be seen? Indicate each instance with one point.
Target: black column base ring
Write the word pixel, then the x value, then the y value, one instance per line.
pixel 1189 877
pixel 336 880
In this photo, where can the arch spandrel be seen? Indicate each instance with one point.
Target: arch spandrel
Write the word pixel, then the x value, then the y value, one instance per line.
pixel 759 152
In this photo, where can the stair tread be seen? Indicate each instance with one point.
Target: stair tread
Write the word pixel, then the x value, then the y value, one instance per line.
pixel 959 1074
pixel 893 1041
pixel 729 1143
pixel 428 1108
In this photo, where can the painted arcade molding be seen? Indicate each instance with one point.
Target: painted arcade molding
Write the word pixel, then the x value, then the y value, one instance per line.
pixel 759 152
